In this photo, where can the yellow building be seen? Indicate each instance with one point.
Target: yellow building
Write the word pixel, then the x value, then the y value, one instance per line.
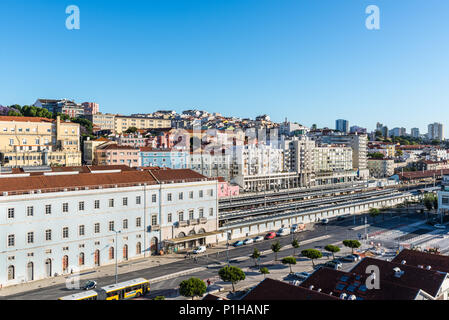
pixel 33 141
pixel 122 123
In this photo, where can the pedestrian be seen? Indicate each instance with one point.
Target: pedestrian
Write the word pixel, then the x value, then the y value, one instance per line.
pixel 208 282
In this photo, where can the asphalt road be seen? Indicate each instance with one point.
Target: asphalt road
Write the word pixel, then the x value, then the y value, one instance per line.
pixel 338 230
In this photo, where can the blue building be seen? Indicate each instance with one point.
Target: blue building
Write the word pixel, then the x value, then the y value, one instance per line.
pixel 164 158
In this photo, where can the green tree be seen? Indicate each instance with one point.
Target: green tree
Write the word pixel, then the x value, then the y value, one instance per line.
pixel 264 271
pixel 255 256
pixel 192 288
pixel 276 247
pixel 231 274
pixel 131 130
pixel 353 244
pixel 295 245
pixel 374 212
pixel 429 200
pixel 289 261
pixel 376 155
pixel 333 249
pixel 312 254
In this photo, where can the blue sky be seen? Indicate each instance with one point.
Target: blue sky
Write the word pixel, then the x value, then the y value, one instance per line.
pixel 312 61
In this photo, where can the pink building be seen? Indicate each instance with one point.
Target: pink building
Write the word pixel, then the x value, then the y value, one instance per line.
pixel 91 107
pixel 225 189
pixel 113 154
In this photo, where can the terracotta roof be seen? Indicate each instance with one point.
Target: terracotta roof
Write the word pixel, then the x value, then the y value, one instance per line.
pixel 338 282
pixel 417 258
pixel 413 277
pixel 26 119
pixel 114 147
pixel 102 139
pixel 420 174
pixel 177 175
pixel 270 289
pixel 150 149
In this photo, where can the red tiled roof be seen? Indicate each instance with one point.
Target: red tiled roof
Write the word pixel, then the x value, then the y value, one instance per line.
pixel 413 277
pixel 270 289
pixel 177 175
pixel 114 147
pixel 422 174
pixel 26 119
pixel 417 258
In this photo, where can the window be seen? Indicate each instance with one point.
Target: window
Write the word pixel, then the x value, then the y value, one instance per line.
pixel 125 201
pixel 111 203
pixel 81 230
pixel 11 213
pixel 81 206
pixel 168 196
pixel 125 224
pixel 181 195
pixel 211 212
pixel 48 235
pixel 65 207
pixel 11 240
pixel 97 228
pixel 191 194
pixel 111 226
pixel 48 209
pixel 191 214
pixel 138 200
pixel 153 198
pixel 201 193
pixel 30 237
pixel 169 218
pixel 97 204
pixel 445 200
pixel 11 142
pixel 65 232
pixel 30 211
pixel 201 213
pixel 138 222
pixel 154 220
pixel 181 216
pixel 211 192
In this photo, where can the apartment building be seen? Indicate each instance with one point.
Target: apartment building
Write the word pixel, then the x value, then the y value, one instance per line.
pixel 333 164
pixel 123 123
pixel 381 168
pixel 435 131
pixel 89 149
pixel 113 154
pixel 106 122
pixel 33 141
pixel 66 220
pixel 211 163
pixel 163 158
pixel 90 108
pixel 63 106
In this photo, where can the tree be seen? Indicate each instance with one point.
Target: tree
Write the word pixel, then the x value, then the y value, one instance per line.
pixel 276 247
pixel 376 155
pixel 429 201
pixel 289 261
pixel 264 271
pixel 353 244
pixel 312 254
pixel 192 288
pixel 231 274
pixel 374 212
pixel 295 245
pixel 159 298
pixel 333 249
pixel 255 256
pixel 131 130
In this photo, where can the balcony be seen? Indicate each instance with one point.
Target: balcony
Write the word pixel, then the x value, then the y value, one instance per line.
pixel 193 222
pixel 155 227
pixel 182 224
pixel 203 220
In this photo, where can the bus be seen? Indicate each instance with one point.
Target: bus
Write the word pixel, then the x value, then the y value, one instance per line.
pixel 120 291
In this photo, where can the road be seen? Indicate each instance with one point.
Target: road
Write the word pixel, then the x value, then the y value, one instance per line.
pixel 337 230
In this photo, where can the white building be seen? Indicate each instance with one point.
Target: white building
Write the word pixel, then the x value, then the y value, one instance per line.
pixel 65 220
pixel 435 131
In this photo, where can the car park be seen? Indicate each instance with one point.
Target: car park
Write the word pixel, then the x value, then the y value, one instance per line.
pixel 238 243
pixel 270 235
pixel 258 239
pixel 199 249
pixel 248 241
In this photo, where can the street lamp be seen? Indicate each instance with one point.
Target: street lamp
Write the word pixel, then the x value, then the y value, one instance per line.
pixel 116 264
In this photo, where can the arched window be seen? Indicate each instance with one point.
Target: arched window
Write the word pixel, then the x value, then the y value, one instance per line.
pixel 138 248
pixel 181 235
pixel 125 252
pixel 192 232
pixel 111 253
pixel 65 263
pixel 202 230
pixel 81 259
pixel 97 258
pixel 11 273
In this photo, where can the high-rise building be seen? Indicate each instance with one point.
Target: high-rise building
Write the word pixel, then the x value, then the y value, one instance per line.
pixel 342 125
pixel 435 131
pixel 397 132
pixel 415 132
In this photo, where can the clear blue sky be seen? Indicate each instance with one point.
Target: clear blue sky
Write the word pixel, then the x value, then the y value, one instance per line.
pixel 312 61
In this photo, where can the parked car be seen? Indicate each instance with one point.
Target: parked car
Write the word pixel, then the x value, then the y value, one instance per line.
pixel 349 258
pixel 258 239
pixel 333 264
pixel 89 285
pixel 248 241
pixel 439 226
pixel 298 228
pixel 238 243
pixel 357 256
pixel 199 249
pixel 325 221
pixel 283 232
pixel 302 275
pixel 270 235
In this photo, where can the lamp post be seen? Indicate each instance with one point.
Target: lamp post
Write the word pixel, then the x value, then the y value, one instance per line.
pixel 116 263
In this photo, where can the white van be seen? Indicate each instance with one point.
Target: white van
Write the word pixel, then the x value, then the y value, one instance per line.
pixel 200 249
